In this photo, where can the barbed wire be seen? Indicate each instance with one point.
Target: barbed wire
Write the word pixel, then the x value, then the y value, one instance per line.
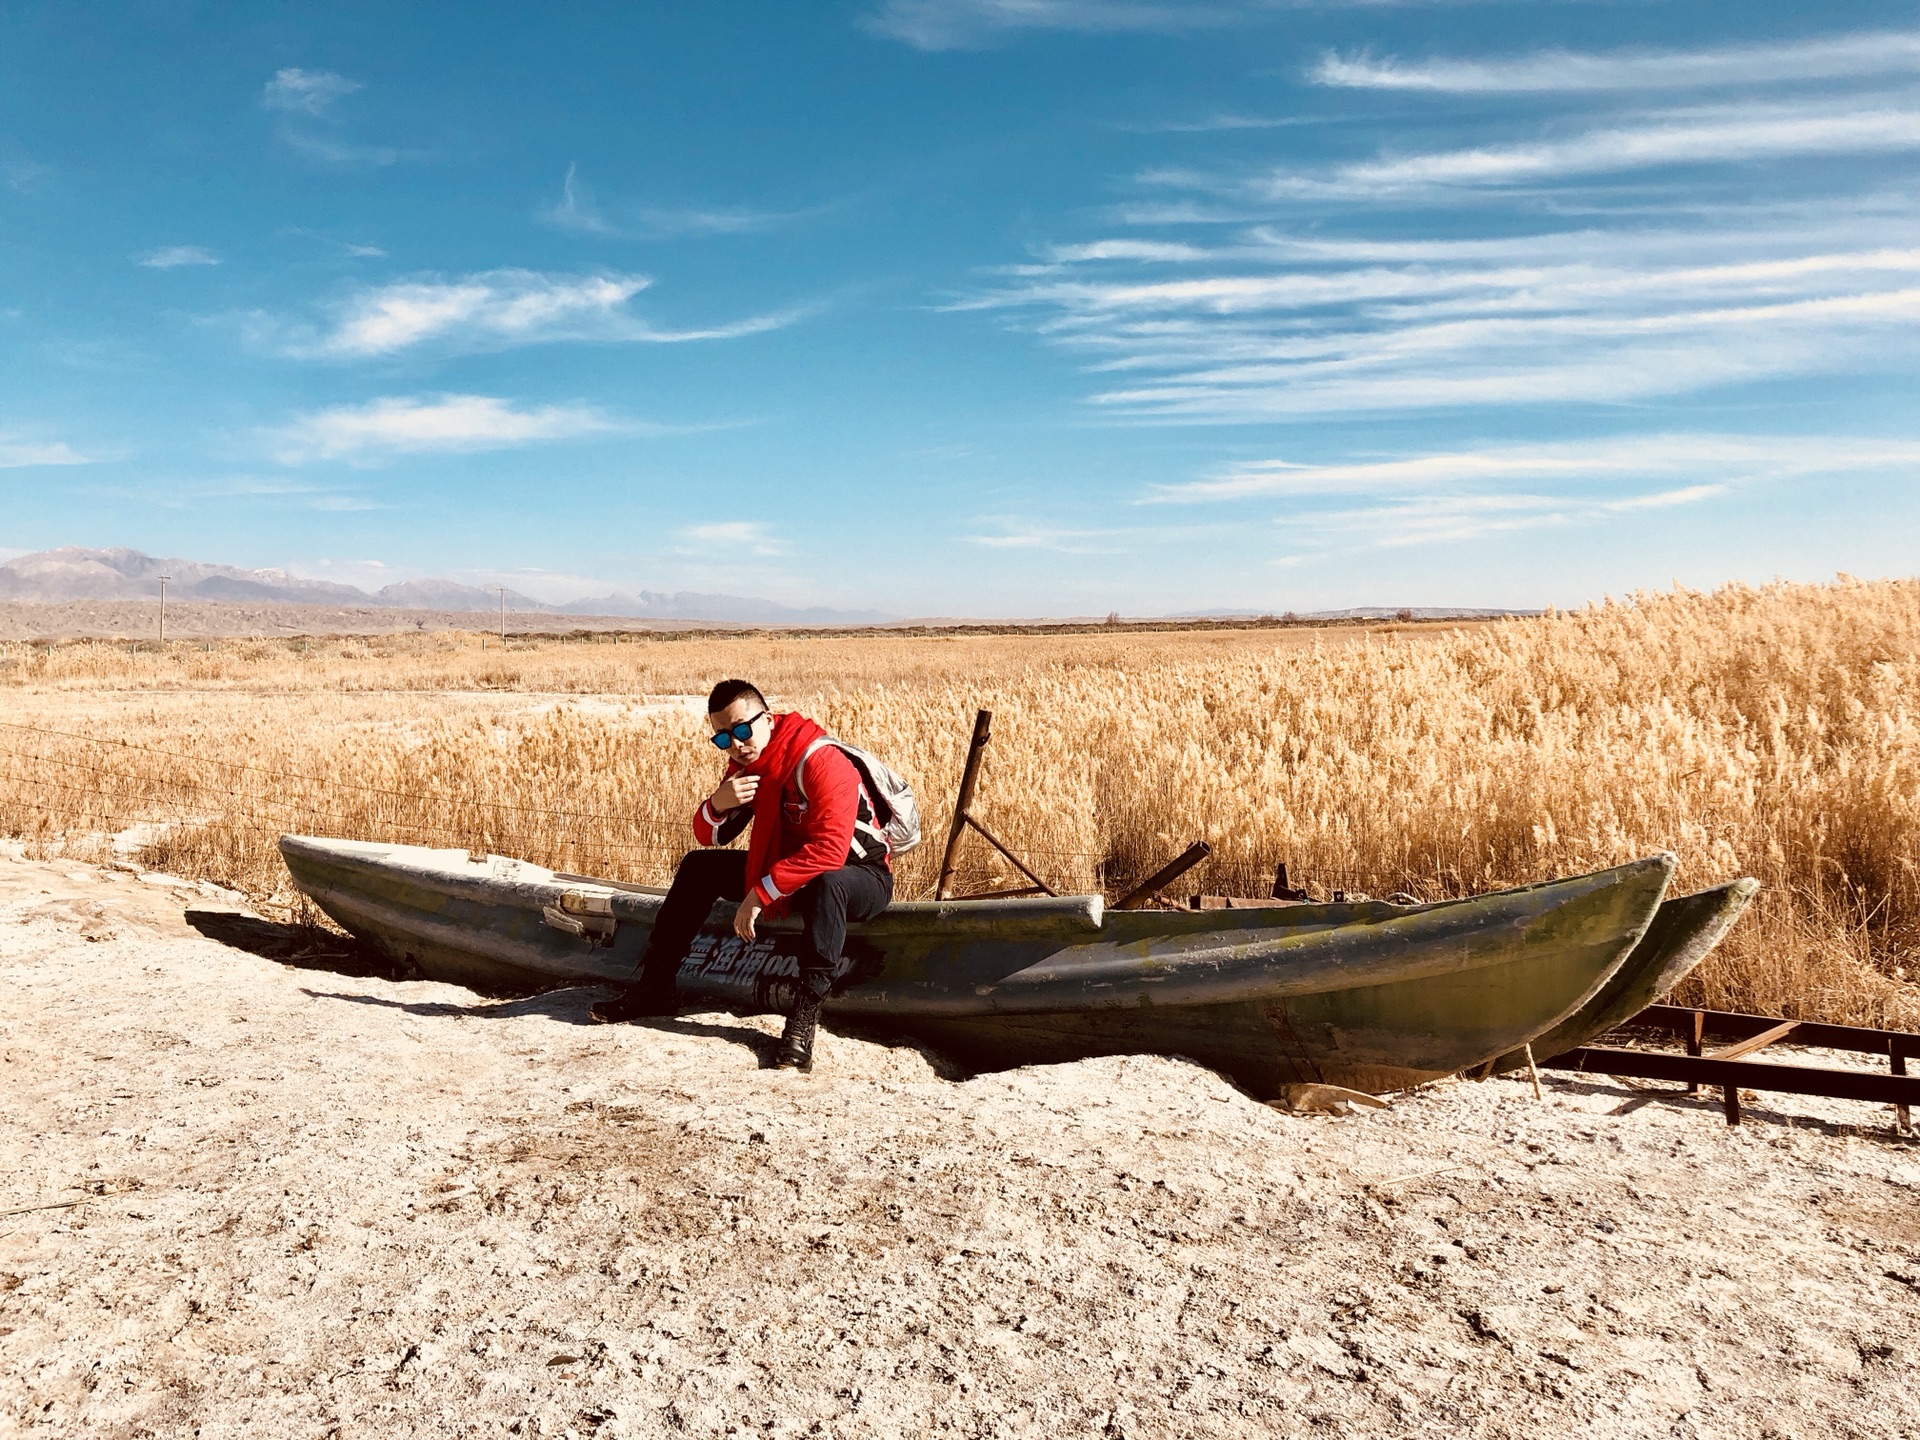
pixel 244 818
pixel 415 797
pixel 357 787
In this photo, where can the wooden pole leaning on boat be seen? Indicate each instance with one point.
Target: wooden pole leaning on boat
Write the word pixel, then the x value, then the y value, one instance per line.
pixel 969 778
pixel 1164 876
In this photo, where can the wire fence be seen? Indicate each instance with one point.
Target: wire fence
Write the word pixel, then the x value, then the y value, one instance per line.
pixel 218 819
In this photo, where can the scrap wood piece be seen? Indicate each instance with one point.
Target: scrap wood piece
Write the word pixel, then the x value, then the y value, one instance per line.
pixel 50 1205
pixel 1417 1175
pixel 1754 1042
pixel 1318 1098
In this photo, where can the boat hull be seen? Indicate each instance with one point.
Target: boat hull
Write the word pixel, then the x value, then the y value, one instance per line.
pixel 1683 931
pixel 1368 995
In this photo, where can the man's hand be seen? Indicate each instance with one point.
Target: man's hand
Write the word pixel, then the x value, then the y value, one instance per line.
pixel 734 791
pixel 744 917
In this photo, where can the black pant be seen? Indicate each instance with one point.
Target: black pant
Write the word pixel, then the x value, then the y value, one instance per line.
pixel 824 904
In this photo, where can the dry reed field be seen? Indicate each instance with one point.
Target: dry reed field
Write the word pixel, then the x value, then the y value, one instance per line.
pixel 1768 731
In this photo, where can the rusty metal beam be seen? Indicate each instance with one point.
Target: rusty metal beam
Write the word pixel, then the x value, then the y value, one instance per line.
pixel 1738 1075
pixel 1013 859
pixel 1679 1020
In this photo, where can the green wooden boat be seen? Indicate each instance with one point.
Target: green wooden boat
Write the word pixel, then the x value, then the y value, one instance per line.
pixel 1684 929
pixel 1369 995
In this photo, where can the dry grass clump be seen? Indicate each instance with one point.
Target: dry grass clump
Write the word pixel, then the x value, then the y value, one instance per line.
pixel 1761 731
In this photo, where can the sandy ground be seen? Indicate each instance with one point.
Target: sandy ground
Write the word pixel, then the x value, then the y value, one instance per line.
pixel 320 1203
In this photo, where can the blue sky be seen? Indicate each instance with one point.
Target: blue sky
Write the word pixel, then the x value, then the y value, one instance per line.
pixel 982 307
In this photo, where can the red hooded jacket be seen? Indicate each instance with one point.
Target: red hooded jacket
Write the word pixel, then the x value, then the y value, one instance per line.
pixel 804 823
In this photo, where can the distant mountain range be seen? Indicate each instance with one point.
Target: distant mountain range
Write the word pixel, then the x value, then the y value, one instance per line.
pixel 73 573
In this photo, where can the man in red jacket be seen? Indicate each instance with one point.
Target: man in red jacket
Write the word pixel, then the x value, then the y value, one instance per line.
pixel 817 851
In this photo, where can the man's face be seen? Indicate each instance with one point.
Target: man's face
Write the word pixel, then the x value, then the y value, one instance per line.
pixel 745 708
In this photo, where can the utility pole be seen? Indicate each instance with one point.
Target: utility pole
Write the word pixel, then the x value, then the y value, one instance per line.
pixel 503 612
pixel 163 609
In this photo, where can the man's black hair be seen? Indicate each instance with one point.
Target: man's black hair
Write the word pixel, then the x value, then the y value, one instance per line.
pixel 728 691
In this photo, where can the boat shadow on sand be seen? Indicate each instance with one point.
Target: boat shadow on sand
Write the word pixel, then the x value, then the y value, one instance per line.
pixel 303 947
pixel 314 948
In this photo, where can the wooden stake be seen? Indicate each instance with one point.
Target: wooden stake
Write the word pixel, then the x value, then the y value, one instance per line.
pixel 969 778
pixel 1533 1072
pixel 1164 876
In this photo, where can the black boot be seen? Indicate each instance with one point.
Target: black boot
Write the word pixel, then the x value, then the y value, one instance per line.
pixel 796 1041
pixel 648 999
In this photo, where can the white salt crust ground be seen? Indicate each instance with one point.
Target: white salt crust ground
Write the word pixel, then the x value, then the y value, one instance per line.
pixel 324 1205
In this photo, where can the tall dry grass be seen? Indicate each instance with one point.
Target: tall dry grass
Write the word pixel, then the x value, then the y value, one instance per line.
pixel 1766 731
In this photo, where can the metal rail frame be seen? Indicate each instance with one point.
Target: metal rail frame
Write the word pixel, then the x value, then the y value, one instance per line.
pixel 1728 1067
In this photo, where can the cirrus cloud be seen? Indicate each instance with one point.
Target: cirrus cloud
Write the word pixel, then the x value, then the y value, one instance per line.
pixel 403 425
pixel 495 310
pixel 172 257
pixel 23 454
pixel 1825 57
pixel 1714 461
pixel 306 92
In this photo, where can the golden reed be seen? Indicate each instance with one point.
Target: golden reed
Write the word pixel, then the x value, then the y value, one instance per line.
pixel 1768 731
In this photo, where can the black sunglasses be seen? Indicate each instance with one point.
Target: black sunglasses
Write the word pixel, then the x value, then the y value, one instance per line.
pixel 742 731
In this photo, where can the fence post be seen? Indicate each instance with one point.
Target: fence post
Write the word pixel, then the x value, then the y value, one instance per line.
pixel 969 777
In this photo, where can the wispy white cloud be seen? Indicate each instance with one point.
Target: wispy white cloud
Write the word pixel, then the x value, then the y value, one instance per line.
pixel 1703 136
pixel 1017 534
pixel 1219 122
pixel 305 100
pixel 578 209
pixel 344 152
pixel 962 24
pixel 496 309
pixel 306 92
pixel 1450 497
pixel 730 537
pixel 1709 462
pixel 18 454
pixel 171 257
pixel 1457 519
pixel 221 493
pixel 344 503
pixel 1558 71
pixel 1169 250
pixel 19 169
pixel 493 308
pixel 1697 136
pixel 1270 326
pixel 396 425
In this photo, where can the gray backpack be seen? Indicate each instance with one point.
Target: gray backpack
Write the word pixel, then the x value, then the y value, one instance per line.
pixel 899 812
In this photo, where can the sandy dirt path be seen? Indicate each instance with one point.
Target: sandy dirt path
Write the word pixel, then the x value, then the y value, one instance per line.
pixel 323 1204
